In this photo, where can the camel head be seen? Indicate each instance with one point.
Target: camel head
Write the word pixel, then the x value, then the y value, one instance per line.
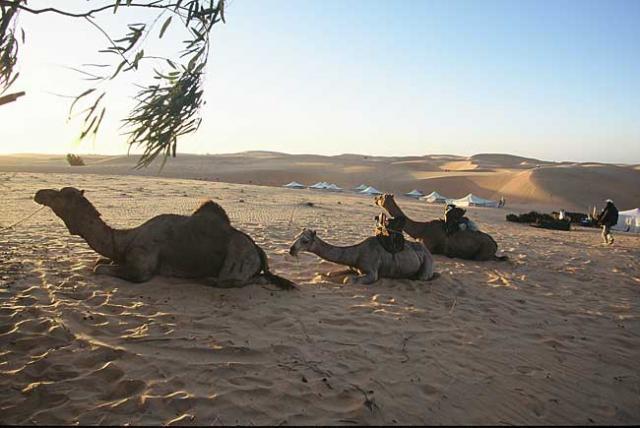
pixel 69 204
pixel 303 241
pixel 385 201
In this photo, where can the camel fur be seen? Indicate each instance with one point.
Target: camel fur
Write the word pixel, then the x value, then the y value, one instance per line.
pixel 465 244
pixel 369 259
pixel 202 245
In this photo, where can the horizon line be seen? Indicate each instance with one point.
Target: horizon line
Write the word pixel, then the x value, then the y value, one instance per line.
pixel 468 157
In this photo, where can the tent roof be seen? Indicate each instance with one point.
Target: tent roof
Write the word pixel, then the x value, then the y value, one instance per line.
pixel 333 187
pixel 435 194
pixel 434 197
pixel 635 212
pixel 361 187
pixel 294 184
pixel 320 185
pixel 371 190
pixel 472 199
pixel 415 192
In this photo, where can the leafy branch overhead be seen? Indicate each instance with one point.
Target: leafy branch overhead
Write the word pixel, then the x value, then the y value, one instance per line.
pixel 165 109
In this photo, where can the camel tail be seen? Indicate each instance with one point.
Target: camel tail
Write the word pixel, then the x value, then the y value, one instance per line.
pixel 276 280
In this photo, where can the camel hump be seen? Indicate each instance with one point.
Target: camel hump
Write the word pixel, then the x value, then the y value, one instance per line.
pixel 211 208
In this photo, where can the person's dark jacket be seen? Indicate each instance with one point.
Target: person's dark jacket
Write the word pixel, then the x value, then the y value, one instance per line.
pixel 609 215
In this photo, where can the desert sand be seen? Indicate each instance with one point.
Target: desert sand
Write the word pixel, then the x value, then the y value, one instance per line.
pixel 550 337
pixel 532 182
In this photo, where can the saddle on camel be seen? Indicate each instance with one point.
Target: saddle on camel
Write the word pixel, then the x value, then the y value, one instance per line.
pixel 389 232
pixel 454 220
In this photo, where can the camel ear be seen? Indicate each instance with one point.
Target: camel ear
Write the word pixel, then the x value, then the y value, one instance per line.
pixel 313 233
pixel 82 192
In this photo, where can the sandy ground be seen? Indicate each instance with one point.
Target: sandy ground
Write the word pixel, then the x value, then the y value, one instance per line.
pixel 550 337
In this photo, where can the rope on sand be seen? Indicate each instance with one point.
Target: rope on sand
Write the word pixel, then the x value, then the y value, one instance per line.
pixel 23 219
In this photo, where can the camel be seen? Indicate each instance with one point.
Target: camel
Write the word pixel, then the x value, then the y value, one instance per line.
pixel 202 245
pixel 465 244
pixel 369 259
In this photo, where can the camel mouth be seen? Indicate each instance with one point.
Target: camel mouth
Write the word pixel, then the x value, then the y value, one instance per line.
pixel 44 196
pixel 293 251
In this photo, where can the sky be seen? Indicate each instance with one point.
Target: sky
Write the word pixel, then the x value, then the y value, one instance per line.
pixel 556 80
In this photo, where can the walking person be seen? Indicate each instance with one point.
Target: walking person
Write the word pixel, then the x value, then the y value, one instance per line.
pixel 608 218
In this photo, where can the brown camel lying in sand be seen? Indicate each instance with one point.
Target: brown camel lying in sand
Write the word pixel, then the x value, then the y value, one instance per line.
pixel 466 244
pixel 202 245
pixel 369 258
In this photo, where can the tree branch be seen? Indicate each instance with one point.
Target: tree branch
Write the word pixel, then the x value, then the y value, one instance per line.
pixel 86 14
pixel 6 99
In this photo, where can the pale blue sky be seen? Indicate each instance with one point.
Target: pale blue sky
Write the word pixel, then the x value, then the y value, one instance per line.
pixel 558 80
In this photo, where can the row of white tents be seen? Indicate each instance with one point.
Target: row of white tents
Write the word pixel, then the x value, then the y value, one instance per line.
pixel 470 200
pixel 323 185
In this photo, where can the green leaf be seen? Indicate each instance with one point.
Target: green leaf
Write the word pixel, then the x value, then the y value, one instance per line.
pixel 119 68
pixel 95 130
pixel 95 105
pixel 82 95
pixel 86 131
pixel 165 26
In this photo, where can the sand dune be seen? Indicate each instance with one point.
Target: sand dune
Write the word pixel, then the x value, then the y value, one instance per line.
pixel 537 184
pixel 550 337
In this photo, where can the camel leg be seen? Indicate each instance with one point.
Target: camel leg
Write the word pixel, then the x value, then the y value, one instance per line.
pixel 426 269
pixel 367 279
pixel 339 273
pixel 140 267
pixel 103 261
pixel 241 265
pixel 123 272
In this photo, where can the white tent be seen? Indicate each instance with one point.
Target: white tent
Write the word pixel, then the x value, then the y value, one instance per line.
pixel 294 185
pixel 434 198
pixel 360 187
pixel 472 200
pixel 370 191
pixel 322 185
pixel 334 188
pixel 628 221
pixel 414 194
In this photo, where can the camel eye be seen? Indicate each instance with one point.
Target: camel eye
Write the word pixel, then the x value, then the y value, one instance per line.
pixel 305 241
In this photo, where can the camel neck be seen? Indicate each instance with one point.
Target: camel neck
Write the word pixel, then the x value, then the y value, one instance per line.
pixel 100 237
pixel 412 228
pixel 346 256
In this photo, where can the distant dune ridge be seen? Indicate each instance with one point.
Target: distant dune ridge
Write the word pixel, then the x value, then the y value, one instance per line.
pixel 574 186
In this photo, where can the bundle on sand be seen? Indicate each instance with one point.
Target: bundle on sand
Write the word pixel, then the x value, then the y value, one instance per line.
pixel 578 218
pixel 530 217
pixel 552 224
pixel 544 221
